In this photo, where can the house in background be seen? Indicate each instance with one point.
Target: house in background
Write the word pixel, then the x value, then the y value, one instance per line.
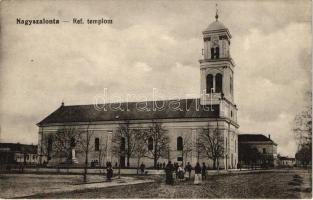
pixel 257 150
pixel 15 153
pixel 285 161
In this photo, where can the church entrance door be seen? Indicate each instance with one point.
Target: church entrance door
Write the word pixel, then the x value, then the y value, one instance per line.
pixel 122 161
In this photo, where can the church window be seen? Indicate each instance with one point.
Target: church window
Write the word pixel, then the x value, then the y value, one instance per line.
pixel 219 83
pixel 122 147
pixel 150 144
pixel 73 142
pixel 209 83
pixel 179 143
pixel 97 144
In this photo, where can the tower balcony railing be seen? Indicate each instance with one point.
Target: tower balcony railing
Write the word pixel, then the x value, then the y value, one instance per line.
pixel 217 60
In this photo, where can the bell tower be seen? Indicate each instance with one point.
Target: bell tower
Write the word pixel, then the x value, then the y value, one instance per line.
pixel 217 69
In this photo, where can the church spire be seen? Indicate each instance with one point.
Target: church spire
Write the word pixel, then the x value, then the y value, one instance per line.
pixel 216 15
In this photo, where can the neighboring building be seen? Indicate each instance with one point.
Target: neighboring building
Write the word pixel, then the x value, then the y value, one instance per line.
pixel 215 108
pixel 257 149
pixel 284 161
pixel 15 153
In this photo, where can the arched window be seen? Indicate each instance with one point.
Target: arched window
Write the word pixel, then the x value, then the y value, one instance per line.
pixel 122 144
pixel 209 83
pixel 97 144
pixel 219 83
pixel 212 53
pixel 179 143
pixel 150 144
pixel 73 142
pixel 215 53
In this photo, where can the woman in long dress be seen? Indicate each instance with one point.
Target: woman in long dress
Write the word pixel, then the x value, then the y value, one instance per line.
pixel 198 178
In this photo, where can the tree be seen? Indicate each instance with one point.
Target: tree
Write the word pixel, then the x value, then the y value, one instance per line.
pixel 187 147
pixel 304 155
pixel 85 146
pixel 124 141
pixel 159 136
pixel 64 141
pixel 140 149
pixel 303 132
pixel 211 143
pixel 102 151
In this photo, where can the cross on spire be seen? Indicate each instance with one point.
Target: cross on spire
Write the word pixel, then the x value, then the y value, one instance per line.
pixel 216 15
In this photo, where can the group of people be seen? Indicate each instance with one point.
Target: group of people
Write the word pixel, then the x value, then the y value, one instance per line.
pixel 183 173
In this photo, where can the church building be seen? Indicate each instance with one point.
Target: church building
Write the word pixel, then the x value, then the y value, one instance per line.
pixel 215 108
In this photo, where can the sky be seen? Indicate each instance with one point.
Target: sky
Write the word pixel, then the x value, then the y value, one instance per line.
pixel 152 44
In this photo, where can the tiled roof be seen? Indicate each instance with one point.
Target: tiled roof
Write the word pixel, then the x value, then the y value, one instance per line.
pixel 253 138
pixel 188 108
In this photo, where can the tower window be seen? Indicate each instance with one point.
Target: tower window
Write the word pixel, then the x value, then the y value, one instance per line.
pixel 212 53
pixel 219 83
pixel 97 144
pixel 150 144
pixel 215 53
pixel 179 143
pixel 209 83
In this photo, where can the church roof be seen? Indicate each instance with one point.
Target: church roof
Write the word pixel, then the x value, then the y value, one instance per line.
pixel 148 110
pixel 253 138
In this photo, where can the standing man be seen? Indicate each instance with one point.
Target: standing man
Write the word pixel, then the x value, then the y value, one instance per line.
pixel 169 169
pixel 188 169
pixel 142 168
pixel 203 171
pixel 109 171
pixel 197 174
